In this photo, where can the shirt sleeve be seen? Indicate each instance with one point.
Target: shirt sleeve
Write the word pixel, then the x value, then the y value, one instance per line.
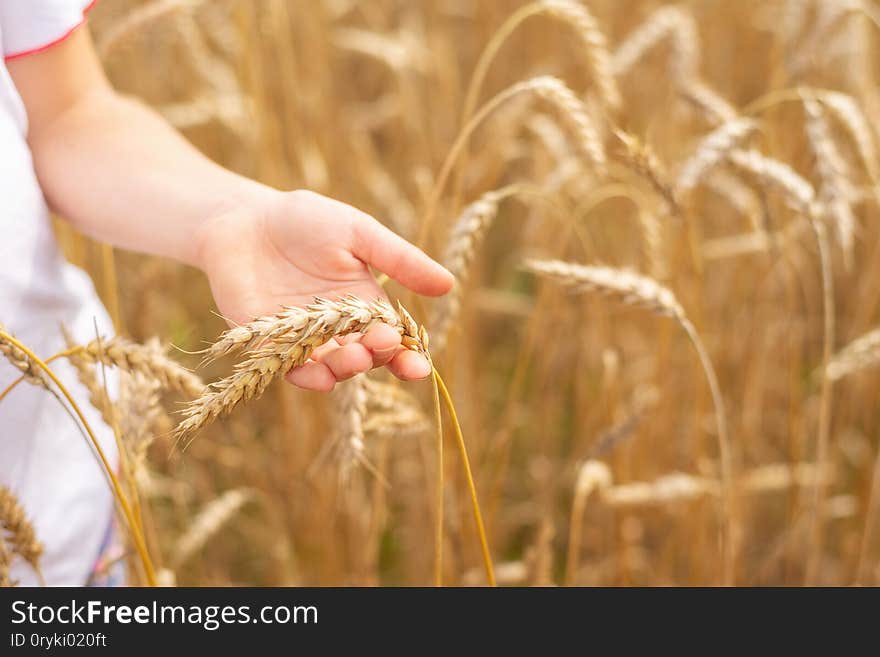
pixel 31 26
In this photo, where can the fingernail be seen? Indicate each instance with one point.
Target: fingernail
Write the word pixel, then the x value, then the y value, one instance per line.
pixel 385 352
pixel 426 367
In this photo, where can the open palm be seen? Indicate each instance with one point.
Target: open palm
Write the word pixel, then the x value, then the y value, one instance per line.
pixel 299 245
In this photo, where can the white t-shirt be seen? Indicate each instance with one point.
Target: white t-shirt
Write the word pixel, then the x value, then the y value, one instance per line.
pixel 44 459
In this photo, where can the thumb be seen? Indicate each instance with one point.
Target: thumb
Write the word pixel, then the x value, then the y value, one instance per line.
pixel 404 262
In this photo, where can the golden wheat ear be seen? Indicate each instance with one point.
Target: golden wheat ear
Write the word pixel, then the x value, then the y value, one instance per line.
pixel 20 534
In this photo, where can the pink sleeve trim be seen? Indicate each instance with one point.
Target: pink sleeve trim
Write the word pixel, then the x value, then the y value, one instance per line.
pixel 63 37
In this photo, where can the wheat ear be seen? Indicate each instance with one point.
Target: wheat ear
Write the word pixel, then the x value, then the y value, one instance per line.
pixel 712 105
pixel 208 522
pixel 835 189
pixel 20 361
pixel 20 532
pixel 350 399
pixel 846 110
pixel 587 30
pixel 637 290
pixel 711 150
pixel 144 359
pixel 639 157
pixel 138 19
pixel 5 565
pixel 592 476
pixel 571 112
pixel 284 341
pixel 861 353
pixel 467 235
pixel 87 374
pixel 667 22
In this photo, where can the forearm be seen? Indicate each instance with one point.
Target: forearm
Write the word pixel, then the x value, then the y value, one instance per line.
pixel 119 173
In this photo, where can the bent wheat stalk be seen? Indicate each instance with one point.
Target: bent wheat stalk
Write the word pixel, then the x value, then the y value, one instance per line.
pixel 570 110
pixel 587 30
pixel 637 290
pixel 134 526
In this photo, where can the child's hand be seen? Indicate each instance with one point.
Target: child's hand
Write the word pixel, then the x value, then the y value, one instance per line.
pixel 290 247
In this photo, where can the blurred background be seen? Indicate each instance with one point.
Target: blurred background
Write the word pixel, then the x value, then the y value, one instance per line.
pixel 362 101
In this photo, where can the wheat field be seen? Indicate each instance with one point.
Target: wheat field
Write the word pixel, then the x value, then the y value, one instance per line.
pixel 662 348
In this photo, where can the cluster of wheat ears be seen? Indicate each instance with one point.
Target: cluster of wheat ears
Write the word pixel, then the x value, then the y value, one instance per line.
pixel 756 234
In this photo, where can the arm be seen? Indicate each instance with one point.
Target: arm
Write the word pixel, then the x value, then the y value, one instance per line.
pixel 119 173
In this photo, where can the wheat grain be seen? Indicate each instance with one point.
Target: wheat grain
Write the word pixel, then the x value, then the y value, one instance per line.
pixel 20 533
pixel 286 340
pixel 711 150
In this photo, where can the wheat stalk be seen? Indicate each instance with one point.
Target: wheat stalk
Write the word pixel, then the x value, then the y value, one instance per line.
pixel 286 340
pixel 20 532
pixel 635 289
pixel 587 30
pixel 592 476
pixel 571 112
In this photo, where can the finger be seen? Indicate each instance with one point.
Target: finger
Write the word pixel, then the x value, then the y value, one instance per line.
pixel 409 365
pixel 404 262
pixel 349 338
pixel 346 361
pixel 383 342
pixel 312 376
